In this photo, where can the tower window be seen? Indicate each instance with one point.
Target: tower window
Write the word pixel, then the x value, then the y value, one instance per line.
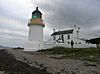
pixel 34 16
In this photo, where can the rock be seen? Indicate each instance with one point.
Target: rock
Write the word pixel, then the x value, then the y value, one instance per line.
pixel 90 64
pixel 1 72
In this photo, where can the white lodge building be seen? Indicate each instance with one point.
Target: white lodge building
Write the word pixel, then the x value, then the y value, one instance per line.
pixel 58 38
pixel 64 39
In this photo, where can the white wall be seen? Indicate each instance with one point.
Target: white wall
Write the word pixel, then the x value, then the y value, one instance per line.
pixel 35 39
pixel 35 33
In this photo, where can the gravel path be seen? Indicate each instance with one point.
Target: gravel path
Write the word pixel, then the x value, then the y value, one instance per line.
pixel 56 66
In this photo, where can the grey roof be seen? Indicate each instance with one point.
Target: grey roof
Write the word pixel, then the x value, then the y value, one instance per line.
pixel 63 32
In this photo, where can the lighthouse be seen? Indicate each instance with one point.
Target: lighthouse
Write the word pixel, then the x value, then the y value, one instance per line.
pixel 35 37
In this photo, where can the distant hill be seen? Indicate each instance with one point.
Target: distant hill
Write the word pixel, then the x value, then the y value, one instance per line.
pixel 3 47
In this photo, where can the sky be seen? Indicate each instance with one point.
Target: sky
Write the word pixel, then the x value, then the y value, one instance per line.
pixel 59 14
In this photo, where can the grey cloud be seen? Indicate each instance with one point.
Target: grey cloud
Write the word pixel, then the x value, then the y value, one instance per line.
pixel 8 27
pixel 13 21
pixel 57 14
pixel 17 12
pixel 12 35
pixel 20 17
pixel 64 13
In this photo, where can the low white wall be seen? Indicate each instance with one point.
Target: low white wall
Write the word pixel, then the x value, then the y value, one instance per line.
pixel 33 46
pixel 47 45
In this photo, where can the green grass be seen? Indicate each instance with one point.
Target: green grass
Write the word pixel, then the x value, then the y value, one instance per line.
pixel 89 54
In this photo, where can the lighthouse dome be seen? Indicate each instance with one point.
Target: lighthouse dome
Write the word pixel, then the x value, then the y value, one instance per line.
pixel 36 11
pixel 36 14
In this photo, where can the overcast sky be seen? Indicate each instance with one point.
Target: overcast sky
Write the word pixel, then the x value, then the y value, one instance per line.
pixel 59 14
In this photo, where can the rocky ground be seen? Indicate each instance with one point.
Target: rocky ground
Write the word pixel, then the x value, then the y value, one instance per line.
pixel 9 65
pixel 40 63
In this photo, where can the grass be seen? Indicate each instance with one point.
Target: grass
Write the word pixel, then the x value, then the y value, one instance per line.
pixel 88 54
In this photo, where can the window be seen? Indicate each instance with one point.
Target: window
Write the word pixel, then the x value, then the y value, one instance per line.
pixel 80 43
pixel 75 42
pixel 68 42
pixel 68 36
pixel 34 16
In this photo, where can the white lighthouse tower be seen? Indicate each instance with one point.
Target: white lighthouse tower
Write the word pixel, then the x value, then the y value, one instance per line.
pixel 35 38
